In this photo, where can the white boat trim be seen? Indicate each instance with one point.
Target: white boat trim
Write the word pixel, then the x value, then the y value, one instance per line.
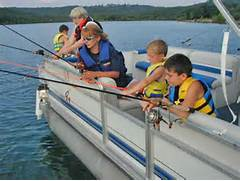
pixel 124 146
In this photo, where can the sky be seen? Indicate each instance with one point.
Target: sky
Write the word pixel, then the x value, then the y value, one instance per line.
pixel 57 3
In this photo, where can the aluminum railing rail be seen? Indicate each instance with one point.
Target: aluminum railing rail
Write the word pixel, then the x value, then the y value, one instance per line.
pixel 227 15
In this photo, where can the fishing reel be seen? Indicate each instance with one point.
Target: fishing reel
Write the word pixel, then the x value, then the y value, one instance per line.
pixel 155 117
pixel 41 100
pixel 80 66
pixel 40 52
pixel 42 91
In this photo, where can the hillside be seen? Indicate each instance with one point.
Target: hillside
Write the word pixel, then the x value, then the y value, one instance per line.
pixel 199 12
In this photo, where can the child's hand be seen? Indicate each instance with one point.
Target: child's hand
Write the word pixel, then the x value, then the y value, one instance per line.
pixel 80 65
pixel 147 106
pixel 126 92
pixel 88 80
pixel 165 102
pixel 89 75
pixel 54 57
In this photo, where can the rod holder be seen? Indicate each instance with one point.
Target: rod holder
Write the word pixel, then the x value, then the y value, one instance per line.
pixel 103 116
pixel 149 148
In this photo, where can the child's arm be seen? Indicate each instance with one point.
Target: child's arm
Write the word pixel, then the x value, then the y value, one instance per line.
pixel 68 46
pixel 98 74
pixel 65 39
pixel 71 40
pixel 195 92
pixel 157 74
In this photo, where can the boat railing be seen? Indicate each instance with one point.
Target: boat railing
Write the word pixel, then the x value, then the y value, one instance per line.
pixel 149 145
pixel 197 121
pixel 103 116
pixel 149 148
pixel 227 15
pixel 229 133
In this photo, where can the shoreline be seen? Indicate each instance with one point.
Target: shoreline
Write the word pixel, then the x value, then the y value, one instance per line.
pixel 198 13
pixel 203 21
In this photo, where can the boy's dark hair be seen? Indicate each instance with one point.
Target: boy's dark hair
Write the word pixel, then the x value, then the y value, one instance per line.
pixel 180 64
pixel 63 28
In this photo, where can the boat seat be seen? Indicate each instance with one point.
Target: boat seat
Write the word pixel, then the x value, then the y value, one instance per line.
pixel 208 73
pixel 206 65
pixel 126 104
pixel 132 107
pixel 141 51
pixel 109 98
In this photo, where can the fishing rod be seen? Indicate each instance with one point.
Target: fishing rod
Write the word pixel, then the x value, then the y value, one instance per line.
pixel 74 85
pixel 38 68
pixel 16 48
pixel 152 100
pixel 35 43
pixel 38 52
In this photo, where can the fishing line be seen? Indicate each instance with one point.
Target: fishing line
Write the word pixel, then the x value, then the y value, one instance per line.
pixel 151 100
pixel 16 48
pixel 35 43
pixel 74 85
pixel 38 52
pixel 42 53
pixel 181 108
pixel 57 75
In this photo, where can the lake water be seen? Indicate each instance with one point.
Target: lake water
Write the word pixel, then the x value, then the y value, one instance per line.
pixel 28 149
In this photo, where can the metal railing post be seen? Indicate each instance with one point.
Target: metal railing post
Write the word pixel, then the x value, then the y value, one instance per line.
pixel 149 150
pixel 227 15
pixel 103 117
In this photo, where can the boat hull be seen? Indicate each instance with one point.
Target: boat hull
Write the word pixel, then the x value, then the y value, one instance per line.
pixel 91 156
pixel 176 151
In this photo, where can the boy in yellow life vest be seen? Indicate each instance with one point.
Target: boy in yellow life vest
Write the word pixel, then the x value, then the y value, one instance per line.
pixel 154 84
pixel 60 38
pixel 186 94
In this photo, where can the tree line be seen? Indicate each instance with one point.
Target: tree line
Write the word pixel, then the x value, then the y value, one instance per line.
pixel 203 12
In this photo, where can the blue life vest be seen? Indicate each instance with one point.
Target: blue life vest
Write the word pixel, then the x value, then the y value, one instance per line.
pixel 103 63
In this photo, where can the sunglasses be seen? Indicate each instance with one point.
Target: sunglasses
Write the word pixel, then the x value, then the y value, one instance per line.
pixel 89 38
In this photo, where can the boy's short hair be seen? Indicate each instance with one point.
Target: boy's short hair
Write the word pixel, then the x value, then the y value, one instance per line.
pixel 158 47
pixel 63 28
pixel 79 12
pixel 180 64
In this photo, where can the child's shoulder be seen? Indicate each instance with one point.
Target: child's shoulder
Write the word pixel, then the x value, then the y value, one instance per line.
pixel 196 86
pixel 154 66
pixel 154 69
pixel 64 35
pixel 158 64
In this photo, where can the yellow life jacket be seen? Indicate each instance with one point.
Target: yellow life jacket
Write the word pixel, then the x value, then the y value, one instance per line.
pixel 157 88
pixel 56 42
pixel 203 105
